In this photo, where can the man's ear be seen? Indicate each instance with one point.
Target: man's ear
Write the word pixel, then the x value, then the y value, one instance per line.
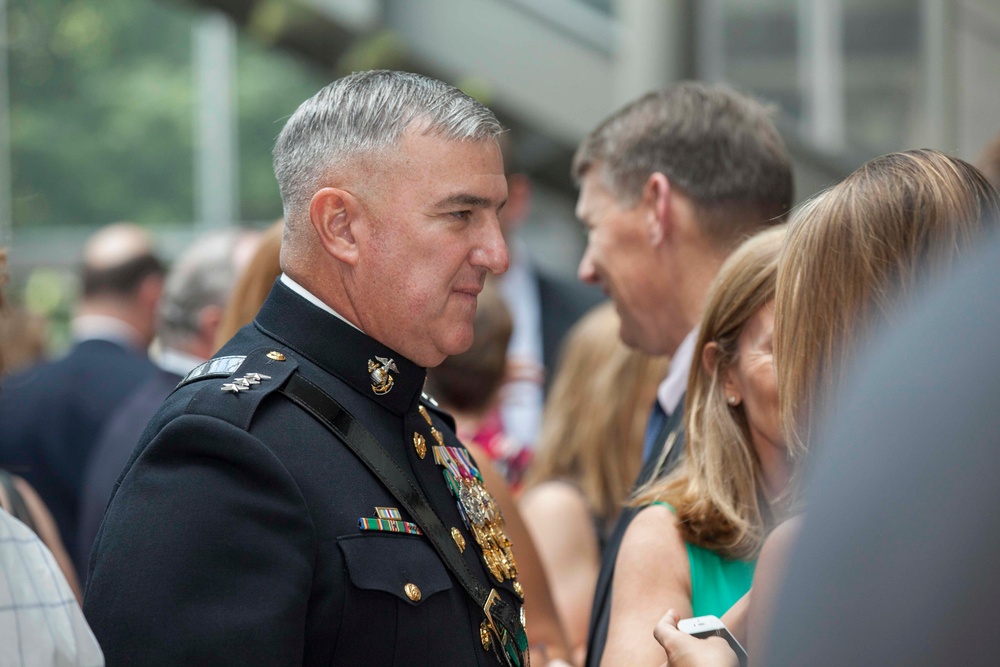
pixel 333 213
pixel 656 197
pixel 209 319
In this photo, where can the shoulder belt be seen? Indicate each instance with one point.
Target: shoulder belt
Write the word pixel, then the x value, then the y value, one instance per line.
pixel 502 620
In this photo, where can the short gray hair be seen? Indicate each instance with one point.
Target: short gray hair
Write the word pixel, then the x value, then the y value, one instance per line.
pixel 367 112
pixel 202 276
pixel 716 145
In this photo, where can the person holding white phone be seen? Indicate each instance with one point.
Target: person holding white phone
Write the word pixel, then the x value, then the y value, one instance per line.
pixel 693 545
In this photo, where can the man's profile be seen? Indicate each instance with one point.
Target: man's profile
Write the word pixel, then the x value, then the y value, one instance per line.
pixel 297 500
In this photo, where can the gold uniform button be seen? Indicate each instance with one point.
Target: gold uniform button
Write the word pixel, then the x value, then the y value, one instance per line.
pixel 459 539
pixel 420 444
pixel 484 636
pixel 277 356
pixel 412 592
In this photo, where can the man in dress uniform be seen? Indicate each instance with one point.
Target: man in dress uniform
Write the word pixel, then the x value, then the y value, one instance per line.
pixel 297 500
pixel 669 186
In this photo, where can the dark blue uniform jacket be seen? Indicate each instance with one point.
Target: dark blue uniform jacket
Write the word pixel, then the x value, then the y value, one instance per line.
pixel 233 538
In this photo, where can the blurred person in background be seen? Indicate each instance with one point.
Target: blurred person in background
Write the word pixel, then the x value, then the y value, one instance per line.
pixel 23 337
pixel 41 623
pixel 694 543
pixel 194 296
pixel 52 413
pixel 256 279
pixel 669 186
pixel 543 308
pixel 587 458
pixel 868 245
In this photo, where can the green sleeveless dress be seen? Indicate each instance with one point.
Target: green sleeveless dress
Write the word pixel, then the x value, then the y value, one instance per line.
pixel 716 582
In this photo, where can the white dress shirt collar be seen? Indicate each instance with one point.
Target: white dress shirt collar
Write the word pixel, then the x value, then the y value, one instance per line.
pixel 313 299
pixel 672 389
pixel 105 327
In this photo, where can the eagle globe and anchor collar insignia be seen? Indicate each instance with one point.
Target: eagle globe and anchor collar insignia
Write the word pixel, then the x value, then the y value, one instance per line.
pixel 379 374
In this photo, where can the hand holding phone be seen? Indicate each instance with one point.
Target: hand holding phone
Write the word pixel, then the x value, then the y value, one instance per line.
pixel 711 626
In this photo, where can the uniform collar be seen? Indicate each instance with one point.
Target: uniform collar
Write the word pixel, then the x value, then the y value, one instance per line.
pixel 671 390
pixel 340 348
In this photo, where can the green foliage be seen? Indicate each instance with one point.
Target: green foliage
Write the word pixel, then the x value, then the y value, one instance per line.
pixel 102 108
pixel 270 87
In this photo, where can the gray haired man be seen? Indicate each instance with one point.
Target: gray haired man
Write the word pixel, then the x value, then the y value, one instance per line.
pixel 297 500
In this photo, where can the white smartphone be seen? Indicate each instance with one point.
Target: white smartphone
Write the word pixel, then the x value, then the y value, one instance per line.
pixel 711 626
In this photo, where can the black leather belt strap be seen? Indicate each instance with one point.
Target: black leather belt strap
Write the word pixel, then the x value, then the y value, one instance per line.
pixel 331 414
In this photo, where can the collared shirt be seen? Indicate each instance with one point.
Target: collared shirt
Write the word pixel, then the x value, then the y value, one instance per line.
pixel 672 388
pixel 105 327
pixel 41 623
pixel 313 299
pixel 177 362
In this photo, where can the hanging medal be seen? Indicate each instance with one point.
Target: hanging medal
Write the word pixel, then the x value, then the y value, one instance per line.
pixel 479 510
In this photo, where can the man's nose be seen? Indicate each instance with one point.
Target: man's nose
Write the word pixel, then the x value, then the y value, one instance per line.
pixel 491 252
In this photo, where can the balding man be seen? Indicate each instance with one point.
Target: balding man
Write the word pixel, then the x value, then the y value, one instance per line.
pixel 51 414
pixel 194 296
pixel 297 501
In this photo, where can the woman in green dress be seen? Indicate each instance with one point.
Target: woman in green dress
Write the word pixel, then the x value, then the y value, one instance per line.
pixel 693 546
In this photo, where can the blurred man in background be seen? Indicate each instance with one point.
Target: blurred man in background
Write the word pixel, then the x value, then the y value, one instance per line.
pixel 52 413
pixel 543 308
pixel 194 296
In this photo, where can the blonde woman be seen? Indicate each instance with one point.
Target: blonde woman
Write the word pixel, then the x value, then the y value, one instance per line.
pixel 589 453
pixel 693 546
pixel 853 257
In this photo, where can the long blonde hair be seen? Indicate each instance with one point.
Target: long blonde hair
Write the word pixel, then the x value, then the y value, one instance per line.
pixel 596 412
pixel 717 491
pixel 854 256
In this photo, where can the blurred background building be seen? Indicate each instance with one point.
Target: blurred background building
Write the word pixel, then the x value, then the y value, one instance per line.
pixel 163 112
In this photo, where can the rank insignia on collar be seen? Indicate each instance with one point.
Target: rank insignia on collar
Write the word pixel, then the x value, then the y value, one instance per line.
pixel 379 374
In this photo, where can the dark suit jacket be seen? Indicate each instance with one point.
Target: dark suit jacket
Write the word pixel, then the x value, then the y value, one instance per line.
pixel 233 536
pixel 51 415
pixel 600 613
pixel 112 451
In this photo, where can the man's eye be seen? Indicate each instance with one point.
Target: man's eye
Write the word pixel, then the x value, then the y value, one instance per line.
pixel 461 215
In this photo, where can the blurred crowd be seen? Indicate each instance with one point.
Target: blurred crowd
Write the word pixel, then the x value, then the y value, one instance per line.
pixel 651 431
